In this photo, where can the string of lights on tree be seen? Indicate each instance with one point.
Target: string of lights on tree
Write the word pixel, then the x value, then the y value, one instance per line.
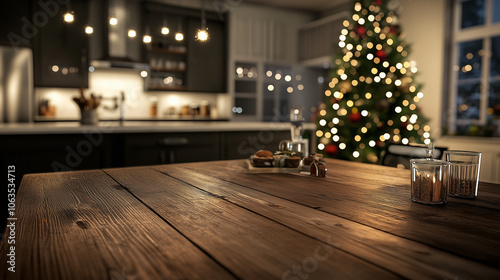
pixel 372 96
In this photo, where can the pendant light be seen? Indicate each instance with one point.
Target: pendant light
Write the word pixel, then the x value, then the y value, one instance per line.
pixel 179 36
pixel 69 16
pixel 147 38
pixel 165 30
pixel 202 34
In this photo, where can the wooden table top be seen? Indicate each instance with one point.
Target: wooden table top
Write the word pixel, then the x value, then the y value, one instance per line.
pixel 214 220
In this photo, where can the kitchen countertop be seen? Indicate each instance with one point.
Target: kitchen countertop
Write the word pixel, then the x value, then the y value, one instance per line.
pixel 141 127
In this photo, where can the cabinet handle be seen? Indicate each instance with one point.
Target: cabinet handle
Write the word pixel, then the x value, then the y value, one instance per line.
pixel 174 141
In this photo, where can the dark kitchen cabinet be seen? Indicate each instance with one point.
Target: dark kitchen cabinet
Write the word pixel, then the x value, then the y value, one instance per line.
pixel 61 48
pixel 16 18
pixel 206 61
pixel 242 144
pixel 164 148
pixel 189 64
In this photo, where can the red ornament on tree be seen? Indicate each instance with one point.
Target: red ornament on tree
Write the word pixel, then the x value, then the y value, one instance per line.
pixel 331 150
pixel 378 2
pixel 360 30
pixel 354 117
pixel 381 54
pixel 394 30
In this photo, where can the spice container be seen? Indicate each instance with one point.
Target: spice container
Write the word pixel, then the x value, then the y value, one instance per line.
pixel 429 181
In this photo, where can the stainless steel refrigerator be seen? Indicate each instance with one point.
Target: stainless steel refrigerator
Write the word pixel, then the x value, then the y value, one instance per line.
pixel 16 85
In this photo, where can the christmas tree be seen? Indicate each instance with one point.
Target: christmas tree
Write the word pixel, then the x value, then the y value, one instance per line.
pixel 372 96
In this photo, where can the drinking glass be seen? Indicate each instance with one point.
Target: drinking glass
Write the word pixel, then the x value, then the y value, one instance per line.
pixel 464 173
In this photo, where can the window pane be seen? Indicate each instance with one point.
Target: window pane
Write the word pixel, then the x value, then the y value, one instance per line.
pixel 468 100
pixel 496 11
pixel 470 59
pixel 495 58
pixel 472 13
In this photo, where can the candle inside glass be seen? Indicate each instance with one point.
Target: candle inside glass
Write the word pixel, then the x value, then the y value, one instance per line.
pixel 429 181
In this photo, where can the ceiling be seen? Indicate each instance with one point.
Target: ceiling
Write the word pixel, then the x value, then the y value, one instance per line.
pixel 309 5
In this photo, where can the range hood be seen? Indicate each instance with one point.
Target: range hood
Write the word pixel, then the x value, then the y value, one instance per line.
pixel 111 44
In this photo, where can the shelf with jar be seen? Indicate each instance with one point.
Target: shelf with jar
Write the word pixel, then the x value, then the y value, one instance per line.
pixel 168 68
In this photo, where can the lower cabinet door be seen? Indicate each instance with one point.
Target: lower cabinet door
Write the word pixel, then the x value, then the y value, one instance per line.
pixel 149 149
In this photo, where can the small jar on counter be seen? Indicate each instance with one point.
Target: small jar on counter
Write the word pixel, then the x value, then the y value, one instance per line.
pixel 429 181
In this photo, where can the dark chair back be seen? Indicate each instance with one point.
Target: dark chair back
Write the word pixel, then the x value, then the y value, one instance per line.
pixel 399 154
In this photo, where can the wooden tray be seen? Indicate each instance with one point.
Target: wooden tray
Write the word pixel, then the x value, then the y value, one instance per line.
pixel 253 169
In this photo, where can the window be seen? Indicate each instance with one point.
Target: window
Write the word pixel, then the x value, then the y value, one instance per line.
pixel 474 100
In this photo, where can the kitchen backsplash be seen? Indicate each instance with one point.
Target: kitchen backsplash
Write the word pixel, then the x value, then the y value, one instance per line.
pixel 108 83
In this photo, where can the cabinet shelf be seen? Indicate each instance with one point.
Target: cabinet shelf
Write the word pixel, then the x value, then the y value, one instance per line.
pixel 166 51
pixel 162 69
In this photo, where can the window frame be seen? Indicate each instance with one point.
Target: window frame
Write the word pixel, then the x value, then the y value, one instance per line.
pixel 458 35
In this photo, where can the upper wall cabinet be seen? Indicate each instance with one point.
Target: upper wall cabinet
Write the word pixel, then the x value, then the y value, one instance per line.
pixel 184 64
pixel 207 60
pixel 61 47
pixel 265 34
pixel 263 39
pixel 16 28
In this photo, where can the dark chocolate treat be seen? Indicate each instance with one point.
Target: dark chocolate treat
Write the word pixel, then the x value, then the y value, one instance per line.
pixel 292 161
pixel 262 161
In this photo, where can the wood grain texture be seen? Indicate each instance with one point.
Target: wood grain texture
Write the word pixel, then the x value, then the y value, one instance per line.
pixel 379 197
pixel 250 245
pixel 83 225
pixel 215 220
pixel 407 258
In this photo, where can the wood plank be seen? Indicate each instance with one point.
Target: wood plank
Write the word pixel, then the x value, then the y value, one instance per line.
pixel 407 258
pixel 83 225
pixel 382 201
pixel 250 245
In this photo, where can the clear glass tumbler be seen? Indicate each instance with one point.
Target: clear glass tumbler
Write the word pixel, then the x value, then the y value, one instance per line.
pixel 429 181
pixel 464 173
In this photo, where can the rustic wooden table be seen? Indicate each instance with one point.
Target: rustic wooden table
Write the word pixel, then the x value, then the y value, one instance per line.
pixel 214 220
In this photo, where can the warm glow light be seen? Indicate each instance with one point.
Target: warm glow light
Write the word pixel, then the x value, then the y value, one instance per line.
pixel 322 122
pixel 355 154
pixel 179 36
pixel 132 33
pixel 113 21
pixel 342 146
pixel 165 30
pixel 202 35
pixel 147 39
pixel 270 87
pixel 321 146
pixel 68 17
pixel 144 74
pixel 89 30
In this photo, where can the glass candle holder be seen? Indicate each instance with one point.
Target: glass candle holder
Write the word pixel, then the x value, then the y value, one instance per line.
pixel 464 173
pixel 429 181
pixel 298 147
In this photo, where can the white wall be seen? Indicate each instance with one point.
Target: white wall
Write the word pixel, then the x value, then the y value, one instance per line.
pixel 423 22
